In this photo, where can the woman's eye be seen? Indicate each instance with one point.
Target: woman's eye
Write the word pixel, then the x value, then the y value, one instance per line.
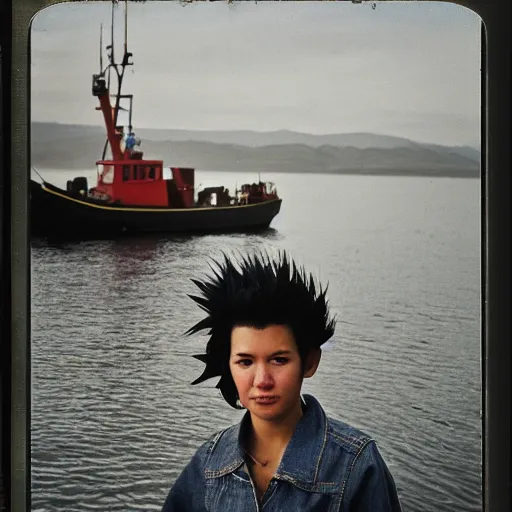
pixel 244 362
pixel 280 360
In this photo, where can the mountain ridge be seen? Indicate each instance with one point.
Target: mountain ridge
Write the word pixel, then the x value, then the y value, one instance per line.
pixel 78 147
pixel 265 138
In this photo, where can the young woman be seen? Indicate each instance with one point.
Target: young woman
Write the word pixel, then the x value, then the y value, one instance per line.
pixel 267 322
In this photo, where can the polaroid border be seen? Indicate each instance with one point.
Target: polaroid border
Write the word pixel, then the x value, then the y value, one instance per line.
pixel 15 261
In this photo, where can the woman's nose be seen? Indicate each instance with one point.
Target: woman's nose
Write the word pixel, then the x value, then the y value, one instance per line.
pixel 263 378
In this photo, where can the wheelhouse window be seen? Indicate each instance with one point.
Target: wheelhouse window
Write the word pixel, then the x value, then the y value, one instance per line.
pixel 140 173
pixel 107 177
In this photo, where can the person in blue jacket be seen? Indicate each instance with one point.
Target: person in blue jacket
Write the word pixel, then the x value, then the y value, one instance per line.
pixel 267 321
pixel 130 141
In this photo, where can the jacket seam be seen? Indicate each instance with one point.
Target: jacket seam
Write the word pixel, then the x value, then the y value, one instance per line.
pixel 301 484
pixel 355 442
pixel 320 457
pixel 272 494
pixel 214 440
pixel 215 473
pixel 356 458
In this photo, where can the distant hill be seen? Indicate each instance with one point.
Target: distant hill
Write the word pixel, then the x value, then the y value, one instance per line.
pixel 282 137
pixel 62 146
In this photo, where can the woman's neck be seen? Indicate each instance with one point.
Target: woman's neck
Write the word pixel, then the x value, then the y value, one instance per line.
pixel 272 437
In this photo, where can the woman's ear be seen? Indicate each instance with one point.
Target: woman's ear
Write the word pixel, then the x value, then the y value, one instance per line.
pixel 312 362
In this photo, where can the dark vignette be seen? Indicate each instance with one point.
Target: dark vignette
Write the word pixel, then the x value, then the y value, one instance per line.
pixel 496 354
pixel 5 277
pixel 15 344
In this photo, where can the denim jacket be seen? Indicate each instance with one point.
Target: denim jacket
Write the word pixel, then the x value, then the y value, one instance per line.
pixel 327 466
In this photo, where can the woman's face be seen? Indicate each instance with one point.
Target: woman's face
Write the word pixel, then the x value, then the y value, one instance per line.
pixel 267 371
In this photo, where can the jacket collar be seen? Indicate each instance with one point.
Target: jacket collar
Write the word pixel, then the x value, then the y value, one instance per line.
pixel 301 459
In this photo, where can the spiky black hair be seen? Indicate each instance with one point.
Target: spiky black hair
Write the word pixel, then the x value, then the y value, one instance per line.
pixel 259 293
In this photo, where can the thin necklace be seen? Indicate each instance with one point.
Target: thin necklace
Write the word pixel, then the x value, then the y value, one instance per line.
pixel 257 462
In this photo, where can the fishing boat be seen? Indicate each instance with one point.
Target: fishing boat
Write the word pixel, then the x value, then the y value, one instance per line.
pixel 133 194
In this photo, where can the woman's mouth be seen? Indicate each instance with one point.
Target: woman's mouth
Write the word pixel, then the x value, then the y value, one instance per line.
pixel 266 400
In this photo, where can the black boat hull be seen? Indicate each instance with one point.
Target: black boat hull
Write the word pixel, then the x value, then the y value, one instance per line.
pixel 54 212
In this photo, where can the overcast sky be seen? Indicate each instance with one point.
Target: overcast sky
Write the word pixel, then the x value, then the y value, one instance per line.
pixel 404 69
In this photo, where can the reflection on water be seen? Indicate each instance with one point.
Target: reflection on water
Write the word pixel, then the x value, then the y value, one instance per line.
pixel 114 418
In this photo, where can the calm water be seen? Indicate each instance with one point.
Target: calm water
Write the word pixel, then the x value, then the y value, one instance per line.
pixel 114 418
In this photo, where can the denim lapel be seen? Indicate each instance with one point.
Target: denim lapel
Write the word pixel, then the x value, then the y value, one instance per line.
pixel 301 459
pixel 226 453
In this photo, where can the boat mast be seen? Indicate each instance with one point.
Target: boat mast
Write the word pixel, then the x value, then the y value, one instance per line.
pixel 102 90
pixel 125 62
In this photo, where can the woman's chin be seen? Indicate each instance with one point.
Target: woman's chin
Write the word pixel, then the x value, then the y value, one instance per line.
pixel 269 412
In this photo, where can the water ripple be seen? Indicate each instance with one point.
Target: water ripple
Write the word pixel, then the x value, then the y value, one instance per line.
pixel 114 418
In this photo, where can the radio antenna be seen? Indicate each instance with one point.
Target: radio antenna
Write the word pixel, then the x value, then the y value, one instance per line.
pixel 125 28
pixel 101 48
pixel 112 35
